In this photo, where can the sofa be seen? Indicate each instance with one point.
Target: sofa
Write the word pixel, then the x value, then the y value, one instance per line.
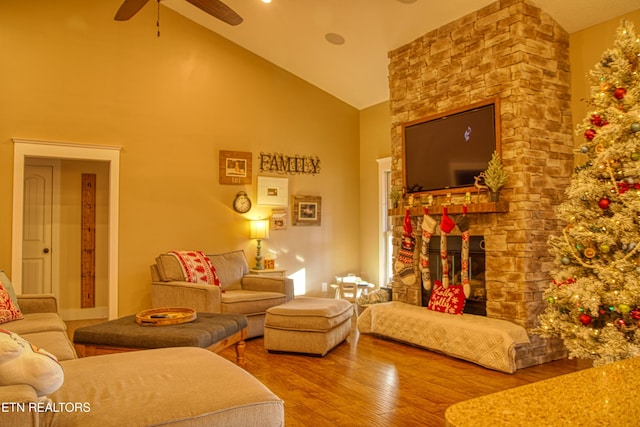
pixel 238 292
pixel 180 386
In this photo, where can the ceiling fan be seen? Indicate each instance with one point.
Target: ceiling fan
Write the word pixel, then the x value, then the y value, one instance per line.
pixel 215 8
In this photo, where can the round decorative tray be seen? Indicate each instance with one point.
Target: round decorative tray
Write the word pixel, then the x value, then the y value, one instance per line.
pixel 165 316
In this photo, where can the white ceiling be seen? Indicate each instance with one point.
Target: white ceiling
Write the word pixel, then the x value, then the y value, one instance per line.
pixel 291 34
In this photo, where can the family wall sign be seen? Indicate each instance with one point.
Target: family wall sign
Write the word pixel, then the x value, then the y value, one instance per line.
pixel 284 164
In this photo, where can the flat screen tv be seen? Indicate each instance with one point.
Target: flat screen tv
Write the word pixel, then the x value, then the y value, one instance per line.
pixel 444 153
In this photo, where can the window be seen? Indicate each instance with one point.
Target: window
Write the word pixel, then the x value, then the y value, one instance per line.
pixel 385 223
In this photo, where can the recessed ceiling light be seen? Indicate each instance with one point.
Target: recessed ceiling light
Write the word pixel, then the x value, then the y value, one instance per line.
pixel 334 38
pixel 269 1
pixel 407 1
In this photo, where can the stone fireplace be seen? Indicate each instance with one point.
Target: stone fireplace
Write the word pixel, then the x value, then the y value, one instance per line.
pixel 513 51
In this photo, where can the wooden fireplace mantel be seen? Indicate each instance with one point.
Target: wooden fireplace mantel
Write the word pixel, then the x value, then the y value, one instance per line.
pixel 472 208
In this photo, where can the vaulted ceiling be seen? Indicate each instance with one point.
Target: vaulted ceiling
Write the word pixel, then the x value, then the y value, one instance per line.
pixel 293 34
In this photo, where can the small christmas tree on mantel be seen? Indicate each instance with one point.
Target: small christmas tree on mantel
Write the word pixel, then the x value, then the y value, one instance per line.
pixel 593 303
pixel 495 177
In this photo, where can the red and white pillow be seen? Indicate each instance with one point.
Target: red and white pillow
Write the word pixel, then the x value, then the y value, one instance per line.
pixel 197 267
pixel 9 310
pixel 446 300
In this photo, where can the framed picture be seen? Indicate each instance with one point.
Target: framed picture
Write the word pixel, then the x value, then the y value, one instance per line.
pixel 307 210
pixel 273 191
pixel 279 219
pixel 235 167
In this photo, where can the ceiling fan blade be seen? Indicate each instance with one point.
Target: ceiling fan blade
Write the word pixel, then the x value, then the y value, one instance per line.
pixel 128 9
pixel 219 10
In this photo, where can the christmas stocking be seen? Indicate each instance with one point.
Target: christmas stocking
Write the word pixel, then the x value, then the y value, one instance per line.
pixel 446 225
pixel 463 224
pixel 428 228
pixel 404 263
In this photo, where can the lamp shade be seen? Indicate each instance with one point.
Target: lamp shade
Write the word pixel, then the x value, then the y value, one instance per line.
pixel 259 229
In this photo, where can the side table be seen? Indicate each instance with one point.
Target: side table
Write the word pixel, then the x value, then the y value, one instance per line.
pixel 277 272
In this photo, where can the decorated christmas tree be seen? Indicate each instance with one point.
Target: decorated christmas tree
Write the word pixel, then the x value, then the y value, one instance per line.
pixel 593 303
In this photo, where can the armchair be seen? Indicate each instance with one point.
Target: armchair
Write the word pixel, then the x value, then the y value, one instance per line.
pixel 239 292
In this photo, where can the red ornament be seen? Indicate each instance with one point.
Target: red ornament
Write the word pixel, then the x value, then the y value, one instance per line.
pixel 589 134
pixel 596 120
pixel 635 313
pixel 585 319
pixel 619 92
pixel 604 203
pixel 620 323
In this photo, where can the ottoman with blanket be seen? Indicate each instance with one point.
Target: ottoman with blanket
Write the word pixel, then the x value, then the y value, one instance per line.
pixel 307 325
pixel 483 340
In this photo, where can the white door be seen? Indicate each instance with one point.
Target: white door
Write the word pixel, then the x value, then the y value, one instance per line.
pixel 36 236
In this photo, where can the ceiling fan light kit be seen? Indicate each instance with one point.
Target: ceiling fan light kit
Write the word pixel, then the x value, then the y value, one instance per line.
pixel 215 8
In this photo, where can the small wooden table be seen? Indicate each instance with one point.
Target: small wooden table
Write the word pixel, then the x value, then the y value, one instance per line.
pixel 213 331
pixel 275 272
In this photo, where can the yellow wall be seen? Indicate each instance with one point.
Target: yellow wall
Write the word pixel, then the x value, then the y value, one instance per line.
pixel 375 143
pixel 587 47
pixel 70 73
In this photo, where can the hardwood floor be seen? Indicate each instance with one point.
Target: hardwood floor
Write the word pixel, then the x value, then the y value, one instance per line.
pixel 367 381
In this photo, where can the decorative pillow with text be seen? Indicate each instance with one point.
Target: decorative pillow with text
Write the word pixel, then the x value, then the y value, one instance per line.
pixel 450 300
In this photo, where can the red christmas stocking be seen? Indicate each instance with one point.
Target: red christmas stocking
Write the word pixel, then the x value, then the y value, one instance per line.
pixel 446 225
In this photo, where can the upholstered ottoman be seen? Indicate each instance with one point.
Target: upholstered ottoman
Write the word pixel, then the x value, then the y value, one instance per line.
pixel 307 325
pixel 213 331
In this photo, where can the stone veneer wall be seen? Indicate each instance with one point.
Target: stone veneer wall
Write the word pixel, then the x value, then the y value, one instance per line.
pixel 514 51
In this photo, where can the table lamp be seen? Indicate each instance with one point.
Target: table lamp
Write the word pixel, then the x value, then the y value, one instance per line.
pixel 259 229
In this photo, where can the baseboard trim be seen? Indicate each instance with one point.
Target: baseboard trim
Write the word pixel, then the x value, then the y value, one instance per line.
pixel 84 313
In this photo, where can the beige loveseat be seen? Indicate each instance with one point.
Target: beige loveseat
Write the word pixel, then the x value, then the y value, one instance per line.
pixel 182 386
pixel 239 292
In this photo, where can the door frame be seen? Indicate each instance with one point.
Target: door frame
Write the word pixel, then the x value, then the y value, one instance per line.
pixel 61 150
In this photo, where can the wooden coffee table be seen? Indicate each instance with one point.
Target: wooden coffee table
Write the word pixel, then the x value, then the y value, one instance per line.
pixel 213 331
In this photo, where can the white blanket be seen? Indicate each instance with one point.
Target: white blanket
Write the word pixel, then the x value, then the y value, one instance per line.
pixel 488 342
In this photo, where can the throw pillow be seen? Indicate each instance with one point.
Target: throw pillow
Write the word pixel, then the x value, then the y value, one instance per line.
pixel 9 287
pixel 197 267
pixel 8 310
pixel 446 300
pixel 23 363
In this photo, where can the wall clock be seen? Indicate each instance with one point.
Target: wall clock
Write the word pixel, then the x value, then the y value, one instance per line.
pixel 241 203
